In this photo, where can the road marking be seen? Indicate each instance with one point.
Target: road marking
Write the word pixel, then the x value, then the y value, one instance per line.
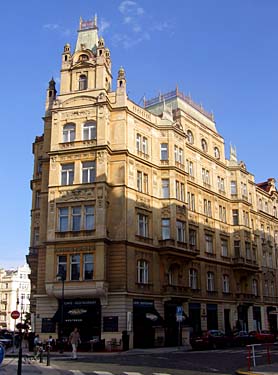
pixel 77 372
pixel 132 373
pixel 103 373
pixel 160 373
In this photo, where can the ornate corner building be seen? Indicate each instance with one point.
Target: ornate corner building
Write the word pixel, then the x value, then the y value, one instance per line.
pixel 140 212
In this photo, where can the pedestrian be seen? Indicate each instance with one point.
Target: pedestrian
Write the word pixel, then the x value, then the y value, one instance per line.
pixel 74 340
pixel 37 345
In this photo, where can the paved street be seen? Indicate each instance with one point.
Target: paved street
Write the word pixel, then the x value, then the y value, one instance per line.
pixel 172 363
pixel 140 362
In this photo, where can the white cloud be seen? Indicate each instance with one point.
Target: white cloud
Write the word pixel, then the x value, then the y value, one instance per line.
pixel 57 28
pixel 51 26
pixel 103 25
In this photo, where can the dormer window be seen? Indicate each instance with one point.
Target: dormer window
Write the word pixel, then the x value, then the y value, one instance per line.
pixel 83 82
pixel 83 57
pixel 204 145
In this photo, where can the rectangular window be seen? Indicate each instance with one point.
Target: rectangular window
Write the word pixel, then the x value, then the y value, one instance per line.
pixel 224 247
pixel 75 267
pixel 190 168
pixel 210 281
pixel 142 225
pixel 63 219
pixel 145 183
pixel 89 217
pixel 76 218
pixel 226 284
pixel 37 199
pixel 142 272
pixel 62 265
pixel 207 208
pixel 88 172
pixel 176 153
pixel 180 226
pixel 165 229
pixel 222 214
pixel 165 188
pixel 237 248
pixel 164 151
pixel 180 156
pixel 182 192
pixel 221 184
pixel 88 266
pixel 138 142
pixel 205 176
pixel 145 145
pixel 67 174
pixel 192 238
pixel 244 190
pixel 248 250
pixel 139 181
pixel 233 188
pixel 235 217
pixel 191 201
pixel 177 189
pixel 209 243
pixel 193 278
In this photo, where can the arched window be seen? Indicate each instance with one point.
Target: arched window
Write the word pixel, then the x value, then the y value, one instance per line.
pixel 89 130
pixel 142 271
pixel 69 133
pixel 83 57
pixel 83 82
pixel 216 153
pixel 174 271
pixel 193 278
pixel 190 137
pixel 204 145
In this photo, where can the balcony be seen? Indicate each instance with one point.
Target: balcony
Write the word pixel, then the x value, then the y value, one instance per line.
pixel 176 289
pixel 241 263
pixel 170 246
pixel 247 297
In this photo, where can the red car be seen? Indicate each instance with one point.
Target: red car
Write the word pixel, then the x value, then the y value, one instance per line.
pixel 262 336
pixel 211 339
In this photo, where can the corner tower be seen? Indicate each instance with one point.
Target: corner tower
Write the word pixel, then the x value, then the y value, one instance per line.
pixel 89 66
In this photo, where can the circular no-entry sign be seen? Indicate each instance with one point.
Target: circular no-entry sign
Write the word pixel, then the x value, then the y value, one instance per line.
pixel 15 314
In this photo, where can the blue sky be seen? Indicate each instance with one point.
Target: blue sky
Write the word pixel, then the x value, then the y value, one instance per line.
pixel 223 52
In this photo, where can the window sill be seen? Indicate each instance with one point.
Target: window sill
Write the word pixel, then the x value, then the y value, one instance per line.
pixel 81 233
pixel 144 239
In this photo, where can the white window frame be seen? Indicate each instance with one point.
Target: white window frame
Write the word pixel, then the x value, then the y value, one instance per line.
pixel 180 231
pixel 88 171
pixel 143 225
pixel 69 132
pixel 89 130
pixel 142 271
pixel 67 174
pixel 210 281
pixel 193 278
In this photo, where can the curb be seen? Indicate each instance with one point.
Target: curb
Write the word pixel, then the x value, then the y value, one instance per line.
pixel 244 372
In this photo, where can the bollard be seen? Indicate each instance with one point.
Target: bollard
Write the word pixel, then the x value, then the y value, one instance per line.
pixel 268 354
pixel 249 358
pixel 48 356
pixel 41 355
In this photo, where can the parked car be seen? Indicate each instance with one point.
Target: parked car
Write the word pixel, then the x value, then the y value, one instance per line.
pixel 242 338
pixel 211 339
pixel 263 336
pixel 7 342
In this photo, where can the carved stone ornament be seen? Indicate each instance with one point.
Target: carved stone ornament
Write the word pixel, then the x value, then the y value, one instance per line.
pixel 77 114
pixel 73 195
pixel 142 202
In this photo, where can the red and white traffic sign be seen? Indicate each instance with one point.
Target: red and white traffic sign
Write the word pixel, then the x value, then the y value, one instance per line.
pixel 15 314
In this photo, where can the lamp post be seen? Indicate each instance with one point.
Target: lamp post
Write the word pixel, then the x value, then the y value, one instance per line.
pixel 62 277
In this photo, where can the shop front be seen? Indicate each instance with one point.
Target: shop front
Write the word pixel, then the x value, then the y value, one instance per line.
pixel 146 323
pixel 84 314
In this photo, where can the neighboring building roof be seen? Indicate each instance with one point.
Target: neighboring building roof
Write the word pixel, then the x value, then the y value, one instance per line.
pixel 268 186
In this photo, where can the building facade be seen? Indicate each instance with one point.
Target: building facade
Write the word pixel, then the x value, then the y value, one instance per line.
pixel 138 212
pixel 15 290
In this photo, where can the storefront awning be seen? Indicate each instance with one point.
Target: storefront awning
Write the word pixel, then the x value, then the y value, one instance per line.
pixel 75 311
pixel 145 310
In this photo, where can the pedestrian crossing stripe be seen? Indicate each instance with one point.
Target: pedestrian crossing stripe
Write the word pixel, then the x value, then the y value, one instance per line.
pixel 103 373
pixel 132 373
pixel 160 373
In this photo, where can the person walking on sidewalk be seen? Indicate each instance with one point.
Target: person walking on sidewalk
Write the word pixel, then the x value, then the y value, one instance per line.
pixel 74 339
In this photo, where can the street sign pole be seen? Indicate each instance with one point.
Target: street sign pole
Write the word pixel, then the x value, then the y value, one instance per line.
pixel 15 315
pixel 179 319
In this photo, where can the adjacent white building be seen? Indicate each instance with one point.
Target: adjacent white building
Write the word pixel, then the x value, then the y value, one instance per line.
pixel 14 295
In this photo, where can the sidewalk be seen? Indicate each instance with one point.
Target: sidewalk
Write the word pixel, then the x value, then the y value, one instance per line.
pixel 271 369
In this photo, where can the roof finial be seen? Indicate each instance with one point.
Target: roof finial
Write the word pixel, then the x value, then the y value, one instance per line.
pixel 80 23
pixel 95 20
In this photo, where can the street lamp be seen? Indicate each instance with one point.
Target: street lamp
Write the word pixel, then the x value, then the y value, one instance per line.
pixel 61 276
